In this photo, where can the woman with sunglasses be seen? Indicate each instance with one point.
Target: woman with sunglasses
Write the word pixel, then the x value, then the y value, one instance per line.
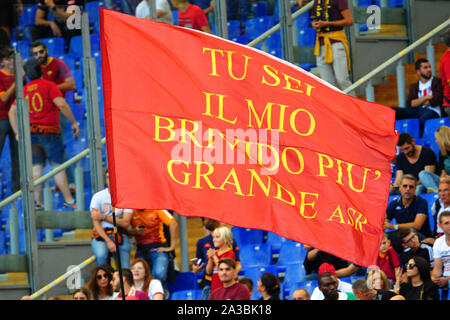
pixel 143 280
pixel 100 283
pixel 419 285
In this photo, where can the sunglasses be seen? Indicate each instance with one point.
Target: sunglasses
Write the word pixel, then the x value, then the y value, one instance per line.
pixel 35 53
pixel 100 276
pixel 410 265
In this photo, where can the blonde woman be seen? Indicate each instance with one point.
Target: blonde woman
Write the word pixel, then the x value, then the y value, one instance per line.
pixel 223 241
pixel 431 180
pixel 377 279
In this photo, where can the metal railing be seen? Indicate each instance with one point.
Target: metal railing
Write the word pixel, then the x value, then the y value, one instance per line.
pixel 66 275
pixel 401 87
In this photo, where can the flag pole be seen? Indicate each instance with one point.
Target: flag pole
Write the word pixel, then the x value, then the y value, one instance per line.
pixel 119 264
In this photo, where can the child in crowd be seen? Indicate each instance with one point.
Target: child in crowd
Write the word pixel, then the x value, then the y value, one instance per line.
pixel 223 240
pixel 388 259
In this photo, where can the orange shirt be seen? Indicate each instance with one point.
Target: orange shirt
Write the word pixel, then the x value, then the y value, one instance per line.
pixel 154 221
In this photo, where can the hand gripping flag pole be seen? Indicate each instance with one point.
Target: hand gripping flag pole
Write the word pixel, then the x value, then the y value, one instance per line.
pixel 119 264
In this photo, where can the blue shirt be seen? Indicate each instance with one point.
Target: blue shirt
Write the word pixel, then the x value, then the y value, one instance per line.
pixel 396 210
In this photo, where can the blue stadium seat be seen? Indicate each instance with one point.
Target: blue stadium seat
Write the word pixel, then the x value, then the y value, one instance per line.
pixel 23 47
pixel 294 273
pixel 307 285
pixel 256 26
pixel 410 126
pixel 234 28
pixel 76 45
pixel 54 45
pixel 27 18
pixel 240 39
pixel 291 252
pixel 194 294
pixel 275 241
pixel 307 66
pixel 303 21
pixel 277 52
pixel 306 37
pixel 252 255
pixel 93 12
pixel 175 17
pixel 255 273
pixel 429 128
pixel 431 198
pixel 260 8
pixel 244 236
pixel 183 281
pixel 274 41
pixel 396 3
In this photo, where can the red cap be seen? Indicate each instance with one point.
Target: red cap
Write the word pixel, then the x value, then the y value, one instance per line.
pixel 326 267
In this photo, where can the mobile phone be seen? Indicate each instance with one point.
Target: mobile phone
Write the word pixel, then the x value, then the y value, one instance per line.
pixel 196 261
pixel 141 227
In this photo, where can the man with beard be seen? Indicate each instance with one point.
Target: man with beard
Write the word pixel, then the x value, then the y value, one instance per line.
pixel 412 160
pixel 425 96
pixel 409 211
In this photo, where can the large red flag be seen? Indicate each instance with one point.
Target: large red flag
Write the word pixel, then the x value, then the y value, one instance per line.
pixel 207 127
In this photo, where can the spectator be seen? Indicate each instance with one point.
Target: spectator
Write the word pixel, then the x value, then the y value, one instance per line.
pixel 388 259
pixel 56 27
pixel 7 95
pixel 429 179
pixel 413 247
pixel 341 285
pixel 377 279
pixel 315 258
pixel 444 68
pixel 248 283
pixel 99 285
pixel 419 285
pixel 301 294
pixel 441 252
pixel 425 96
pixel 409 211
pixel 269 286
pixel 103 241
pixel 152 245
pixel 143 280
pixel 231 289
pixel 362 291
pixel 10 11
pixel 413 159
pixel 46 101
pixel 439 206
pixel 57 71
pixel 81 294
pixel 208 9
pixel 331 48
pixel 328 286
pixel 203 245
pixel 130 292
pixel 191 16
pixel 163 12
pixel 223 241
pixel 125 6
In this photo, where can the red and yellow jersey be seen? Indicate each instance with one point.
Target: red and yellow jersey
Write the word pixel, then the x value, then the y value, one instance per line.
pixel 154 221
pixel 55 70
pixel 40 94
pixel 6 80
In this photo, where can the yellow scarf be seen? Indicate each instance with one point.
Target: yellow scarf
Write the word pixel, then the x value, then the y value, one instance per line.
pixel 335 35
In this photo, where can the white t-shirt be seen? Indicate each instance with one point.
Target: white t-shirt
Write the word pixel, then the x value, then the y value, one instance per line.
pixel 425 90
pixel 442 250
pixel 154 287
pixel 143 10
pixel 342 287
pixel 102 201
pixel 436 217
